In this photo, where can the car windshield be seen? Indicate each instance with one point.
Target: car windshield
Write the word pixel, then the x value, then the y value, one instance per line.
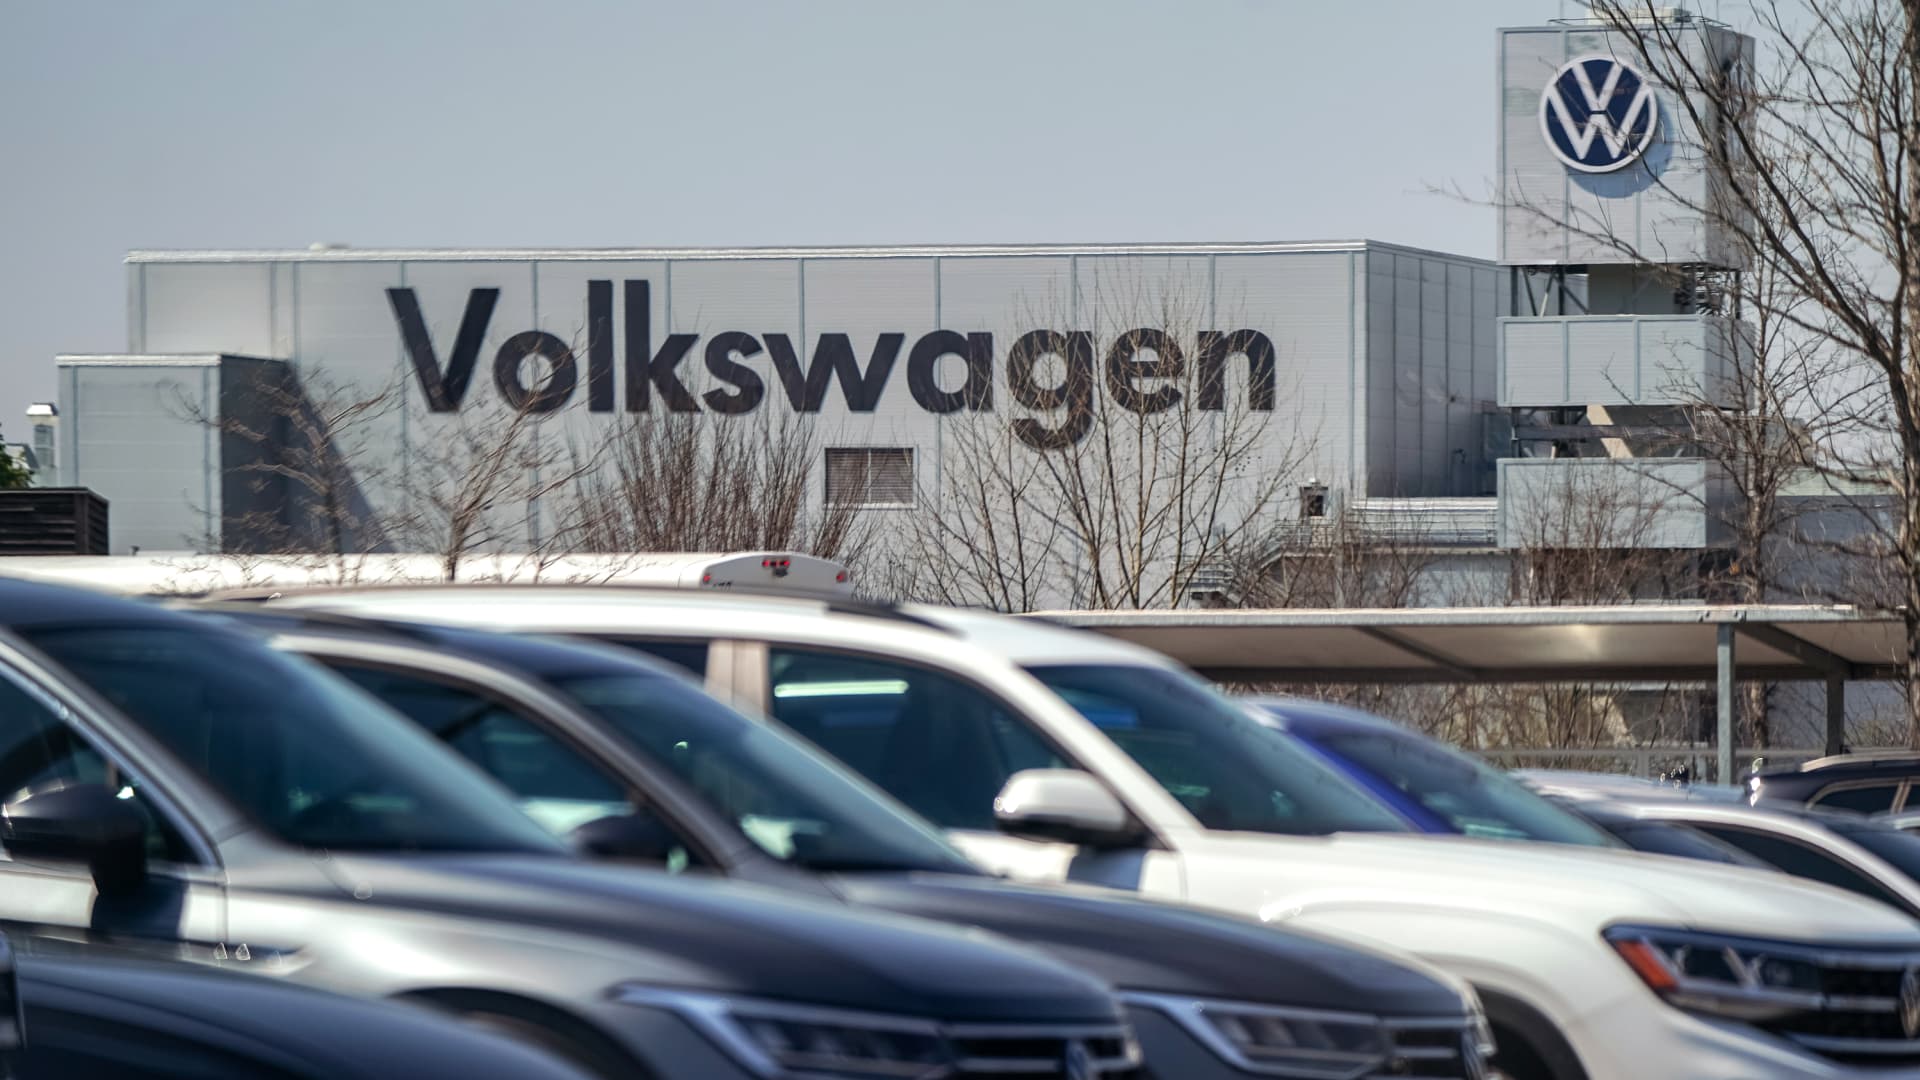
pixel 1474 798
pixel 791 802
pixel 1229 770
pixel 1901 849
pixel 302 753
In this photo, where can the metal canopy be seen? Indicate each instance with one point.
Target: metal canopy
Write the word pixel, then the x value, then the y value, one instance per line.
pixel 1622 643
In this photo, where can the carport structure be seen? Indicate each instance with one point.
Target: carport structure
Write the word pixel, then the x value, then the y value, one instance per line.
pixel 1719 644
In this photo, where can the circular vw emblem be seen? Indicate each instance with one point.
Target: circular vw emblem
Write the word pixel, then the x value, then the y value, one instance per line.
pixel 1598 114
pixel 1078 1064
pixel 1910 1002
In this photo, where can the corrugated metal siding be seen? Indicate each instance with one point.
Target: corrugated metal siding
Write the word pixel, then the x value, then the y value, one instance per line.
pixel 1552 215
pixel 865 299
pixel 343 332
pixel 1381 351
pixel 1648 503
pixel 1383 391
pixel 142 451
pixel 179 320
pixel 1614 360
pixel 1303 303
pixel 1602 362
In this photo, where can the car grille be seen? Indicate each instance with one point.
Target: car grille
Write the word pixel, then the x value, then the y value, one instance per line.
pixel 1860 1019
pixel 1432 1048
pixel 1044 1052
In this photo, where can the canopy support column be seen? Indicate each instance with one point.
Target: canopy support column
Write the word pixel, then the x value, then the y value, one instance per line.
pixel 1836 714
pixel 1724 701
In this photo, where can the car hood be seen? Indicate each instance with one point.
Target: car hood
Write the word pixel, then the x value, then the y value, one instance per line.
pixel 733 938
pixel 276 1020
pixel 1168 948
pixel 1583 888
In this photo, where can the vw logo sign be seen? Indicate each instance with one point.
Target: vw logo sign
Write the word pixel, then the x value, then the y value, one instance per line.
pixel 1910 1002
pixel 1598 114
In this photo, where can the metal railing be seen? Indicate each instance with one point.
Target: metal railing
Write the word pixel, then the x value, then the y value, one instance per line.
pixel 1648 761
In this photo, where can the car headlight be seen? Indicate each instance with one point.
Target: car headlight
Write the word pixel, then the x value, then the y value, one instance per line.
pixel 1738 978
pixel 780 1040
pixel 1276 1041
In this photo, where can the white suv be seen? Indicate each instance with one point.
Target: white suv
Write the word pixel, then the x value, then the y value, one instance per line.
pixel 1054 754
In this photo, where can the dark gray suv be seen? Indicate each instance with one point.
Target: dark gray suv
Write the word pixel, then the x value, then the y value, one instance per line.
pixel 173 786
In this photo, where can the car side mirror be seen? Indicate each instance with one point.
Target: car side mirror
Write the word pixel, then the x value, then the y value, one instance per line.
pixel 639 836
pixel 1065 806
pixel 87 823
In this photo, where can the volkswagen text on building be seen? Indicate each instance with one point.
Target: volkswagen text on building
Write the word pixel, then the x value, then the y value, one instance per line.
pixel 1379 357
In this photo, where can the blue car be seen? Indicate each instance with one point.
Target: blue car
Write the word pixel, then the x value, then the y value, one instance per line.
pixel 1435 787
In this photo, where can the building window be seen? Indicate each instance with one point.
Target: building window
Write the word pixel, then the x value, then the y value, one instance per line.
pixel 870 477
pixel 1313 502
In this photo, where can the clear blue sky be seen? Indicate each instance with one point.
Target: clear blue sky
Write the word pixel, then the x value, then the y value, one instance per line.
pixel 452 123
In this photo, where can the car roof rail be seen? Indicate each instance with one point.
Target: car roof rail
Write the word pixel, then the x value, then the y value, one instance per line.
pixel 1863 757
pixel 295 620
pixel 834 603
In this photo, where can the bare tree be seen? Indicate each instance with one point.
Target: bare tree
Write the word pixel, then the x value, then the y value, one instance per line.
pixel 479 488
pixel 1122 499
pixel 708 482
pixel 1813 152
pixel 1357 555
pixel 298 451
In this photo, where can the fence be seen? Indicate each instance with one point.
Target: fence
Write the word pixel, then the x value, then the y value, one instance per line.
pixel 1648 761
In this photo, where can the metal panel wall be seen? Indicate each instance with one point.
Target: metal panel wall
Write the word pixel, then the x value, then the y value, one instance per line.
pixel 148 446
pixel 1430 372
pixel 1615 360
pixel 205 308
pixel 1553 214
pixel 1304 303
pixel 866 299
pixel 1630 503
pixel 1383 354
pixel 1602 362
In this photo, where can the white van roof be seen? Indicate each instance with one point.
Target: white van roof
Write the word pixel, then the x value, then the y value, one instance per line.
pixel 188 574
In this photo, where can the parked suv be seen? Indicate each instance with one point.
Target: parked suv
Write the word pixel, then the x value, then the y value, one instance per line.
pixel 176 786
pixel 1436 788
pixel 1872 783
pixel 1051 754
pixel 618 752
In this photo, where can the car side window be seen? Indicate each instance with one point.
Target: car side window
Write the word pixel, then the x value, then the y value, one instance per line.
pixel 691 655
pixel 1800 860
pixel 935 743
pixel 1860 798
pixel 555 784
pixel 38 747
